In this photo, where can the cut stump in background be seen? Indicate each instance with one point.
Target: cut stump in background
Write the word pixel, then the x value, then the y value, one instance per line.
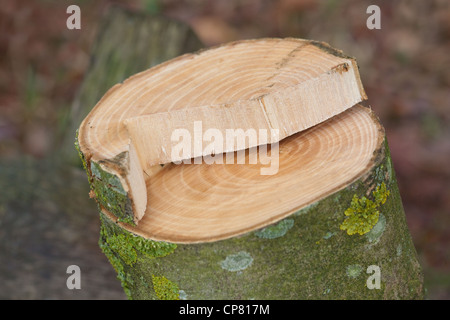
pixel 318 228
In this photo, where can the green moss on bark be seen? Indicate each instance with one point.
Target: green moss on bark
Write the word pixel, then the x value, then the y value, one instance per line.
pixel 110 194
pixel 80 154
pixel 107 188
pixel 123 249
pixel 165 289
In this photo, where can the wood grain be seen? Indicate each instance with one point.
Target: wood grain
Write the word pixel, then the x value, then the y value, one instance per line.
pixel 287 85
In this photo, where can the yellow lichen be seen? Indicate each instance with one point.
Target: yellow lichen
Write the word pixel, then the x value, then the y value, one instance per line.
pixel 363 214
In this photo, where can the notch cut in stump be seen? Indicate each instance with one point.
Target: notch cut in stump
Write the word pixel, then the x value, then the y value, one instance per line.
pixel 221 231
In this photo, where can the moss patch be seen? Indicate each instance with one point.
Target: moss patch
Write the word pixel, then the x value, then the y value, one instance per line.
pixel 112 200
pixel 123 248
pixel 80 154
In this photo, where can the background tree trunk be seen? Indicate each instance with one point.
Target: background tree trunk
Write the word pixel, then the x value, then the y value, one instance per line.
pixel 127 42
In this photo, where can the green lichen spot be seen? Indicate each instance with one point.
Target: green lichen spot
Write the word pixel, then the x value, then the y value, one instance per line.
pixel 380 173
pixel 182 294
pixel 328 235
pixel 275 231
pixel 306 209
pixel 377 231
pixel 363 214
pixel 165 289
pixel 237 262
pixel 353 270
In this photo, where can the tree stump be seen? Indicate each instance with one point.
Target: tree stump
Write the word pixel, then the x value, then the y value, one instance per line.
pixel 327 223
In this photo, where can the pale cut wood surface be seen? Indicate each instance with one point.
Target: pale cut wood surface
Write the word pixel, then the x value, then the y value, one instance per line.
pixel 200 203
pixel 284 84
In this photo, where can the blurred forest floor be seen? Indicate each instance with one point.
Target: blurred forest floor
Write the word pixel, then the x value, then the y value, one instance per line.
pixel 405 68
